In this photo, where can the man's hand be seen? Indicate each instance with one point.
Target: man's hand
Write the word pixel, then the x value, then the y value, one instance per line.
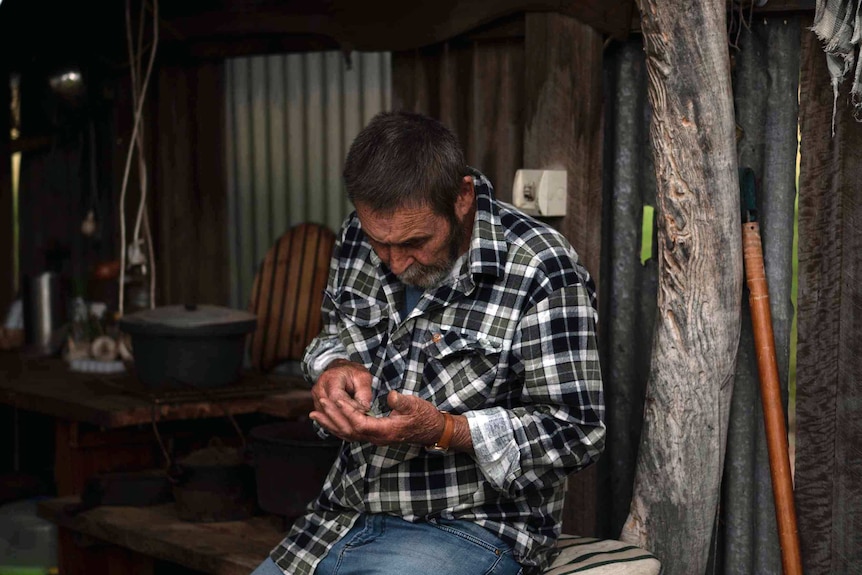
pixel 343 380
pixel 342 396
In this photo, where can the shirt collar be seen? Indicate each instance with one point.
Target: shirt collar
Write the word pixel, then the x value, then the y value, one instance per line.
pixel 487 253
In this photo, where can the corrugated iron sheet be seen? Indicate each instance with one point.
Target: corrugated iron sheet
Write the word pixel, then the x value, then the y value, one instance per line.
pixel 290 120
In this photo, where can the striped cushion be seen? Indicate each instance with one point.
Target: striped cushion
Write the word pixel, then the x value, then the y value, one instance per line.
pixel 601 557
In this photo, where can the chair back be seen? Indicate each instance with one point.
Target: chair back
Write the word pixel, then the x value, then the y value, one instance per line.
pixel 287 295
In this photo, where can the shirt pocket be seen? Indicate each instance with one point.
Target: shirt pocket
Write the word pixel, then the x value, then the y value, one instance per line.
pixel 460 370
pixel 362 325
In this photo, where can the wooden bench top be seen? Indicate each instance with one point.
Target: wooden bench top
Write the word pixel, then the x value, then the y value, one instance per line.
pixel 225 548
pixel 48 386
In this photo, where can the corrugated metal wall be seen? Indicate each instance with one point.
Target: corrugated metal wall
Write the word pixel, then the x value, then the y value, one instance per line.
pixel 765 78
pixel 289 123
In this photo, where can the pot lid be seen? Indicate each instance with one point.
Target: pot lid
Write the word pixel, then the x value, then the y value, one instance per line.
pixel 189 319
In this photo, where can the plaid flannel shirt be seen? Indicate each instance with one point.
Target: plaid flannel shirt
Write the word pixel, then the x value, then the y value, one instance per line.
pixel 510 338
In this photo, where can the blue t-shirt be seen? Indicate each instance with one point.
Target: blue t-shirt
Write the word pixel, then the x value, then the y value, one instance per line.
pixel 411 298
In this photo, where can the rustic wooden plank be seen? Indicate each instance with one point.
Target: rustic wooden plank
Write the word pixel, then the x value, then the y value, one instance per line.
pixel 301 264
pixel 189 187
pixel 288 294
pixel 476 89
pixel 47 386
pixel 562 130
pixel 450 65
pixel 7 288
pixel 498 117
pixel 77 556
pixel 224 548
pixel 563 122
pixel 681 456
pixel 277 297
pixel 829 356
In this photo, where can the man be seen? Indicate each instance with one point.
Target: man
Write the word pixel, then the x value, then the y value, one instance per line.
pixel 458 363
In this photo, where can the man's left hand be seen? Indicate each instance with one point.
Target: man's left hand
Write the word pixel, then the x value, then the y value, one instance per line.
pixel 412 420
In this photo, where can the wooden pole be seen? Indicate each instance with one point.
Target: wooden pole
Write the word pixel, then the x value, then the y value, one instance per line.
pixel 770 391
pixel 681 455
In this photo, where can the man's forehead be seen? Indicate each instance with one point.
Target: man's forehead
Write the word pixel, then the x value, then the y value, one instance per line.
pixel 400 223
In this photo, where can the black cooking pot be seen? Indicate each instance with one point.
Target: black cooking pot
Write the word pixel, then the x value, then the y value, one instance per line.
pixel 188 346
pixel 213 484
pixel 290 465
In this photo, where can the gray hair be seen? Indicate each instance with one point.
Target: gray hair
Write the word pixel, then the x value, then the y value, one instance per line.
pixel 404 159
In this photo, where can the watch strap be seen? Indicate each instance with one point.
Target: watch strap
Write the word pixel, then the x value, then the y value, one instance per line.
pixel 442 444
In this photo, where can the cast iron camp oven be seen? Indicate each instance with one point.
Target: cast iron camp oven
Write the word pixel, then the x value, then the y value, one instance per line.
pixel 214 483
pixel 290 464
pixel 188 345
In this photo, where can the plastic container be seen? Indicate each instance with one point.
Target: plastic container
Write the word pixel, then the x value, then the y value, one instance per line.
pixel 28 543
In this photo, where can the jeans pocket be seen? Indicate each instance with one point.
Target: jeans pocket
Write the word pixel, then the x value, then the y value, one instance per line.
pixel 485 540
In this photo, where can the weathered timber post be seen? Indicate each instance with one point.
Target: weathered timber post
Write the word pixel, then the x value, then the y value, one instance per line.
pixel 681 456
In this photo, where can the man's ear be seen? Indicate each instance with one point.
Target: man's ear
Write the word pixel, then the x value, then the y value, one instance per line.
pixel 466 200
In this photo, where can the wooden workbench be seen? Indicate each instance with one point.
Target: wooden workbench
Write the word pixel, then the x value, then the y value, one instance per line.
pixel 155 534
pixel 105 422
pixel 46 385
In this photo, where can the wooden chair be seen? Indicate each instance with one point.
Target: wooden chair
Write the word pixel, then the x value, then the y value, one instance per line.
pixel 287 295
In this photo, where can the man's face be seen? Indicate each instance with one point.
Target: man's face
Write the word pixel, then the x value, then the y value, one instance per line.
pixel 416 244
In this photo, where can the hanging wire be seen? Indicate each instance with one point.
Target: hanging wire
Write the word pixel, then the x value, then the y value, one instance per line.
pixel 136 141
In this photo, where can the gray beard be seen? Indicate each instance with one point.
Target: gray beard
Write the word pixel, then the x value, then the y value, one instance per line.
pixel 426 277
pixel 431 276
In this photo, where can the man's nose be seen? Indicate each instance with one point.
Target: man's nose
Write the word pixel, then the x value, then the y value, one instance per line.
pixel 399 260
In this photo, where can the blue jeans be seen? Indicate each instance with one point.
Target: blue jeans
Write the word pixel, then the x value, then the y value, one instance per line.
pixel 386 545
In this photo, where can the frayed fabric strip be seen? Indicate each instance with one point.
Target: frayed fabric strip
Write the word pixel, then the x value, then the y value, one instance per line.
pixel 838 25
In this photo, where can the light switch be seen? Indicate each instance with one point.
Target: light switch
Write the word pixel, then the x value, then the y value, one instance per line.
pixel 540 192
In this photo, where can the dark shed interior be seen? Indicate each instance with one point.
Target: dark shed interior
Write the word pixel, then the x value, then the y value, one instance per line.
pixel 523 84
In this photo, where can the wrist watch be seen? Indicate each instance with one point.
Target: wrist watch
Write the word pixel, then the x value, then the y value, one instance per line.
pixel 442 444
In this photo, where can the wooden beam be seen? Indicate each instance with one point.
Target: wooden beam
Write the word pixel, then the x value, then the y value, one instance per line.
pixel 382 25
pixel 681 456
pixel 563 130
pixel 771 7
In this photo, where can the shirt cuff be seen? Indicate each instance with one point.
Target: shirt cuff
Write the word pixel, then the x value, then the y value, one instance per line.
pixel 327 351
pixel 494 445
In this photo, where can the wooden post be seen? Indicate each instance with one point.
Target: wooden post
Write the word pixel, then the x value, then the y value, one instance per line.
pixel 681 456
pixel 563 130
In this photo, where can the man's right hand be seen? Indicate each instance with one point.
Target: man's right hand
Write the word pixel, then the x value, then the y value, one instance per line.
pixel 341 381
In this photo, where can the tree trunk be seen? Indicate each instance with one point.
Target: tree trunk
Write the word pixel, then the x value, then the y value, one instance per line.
pixel 681 456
